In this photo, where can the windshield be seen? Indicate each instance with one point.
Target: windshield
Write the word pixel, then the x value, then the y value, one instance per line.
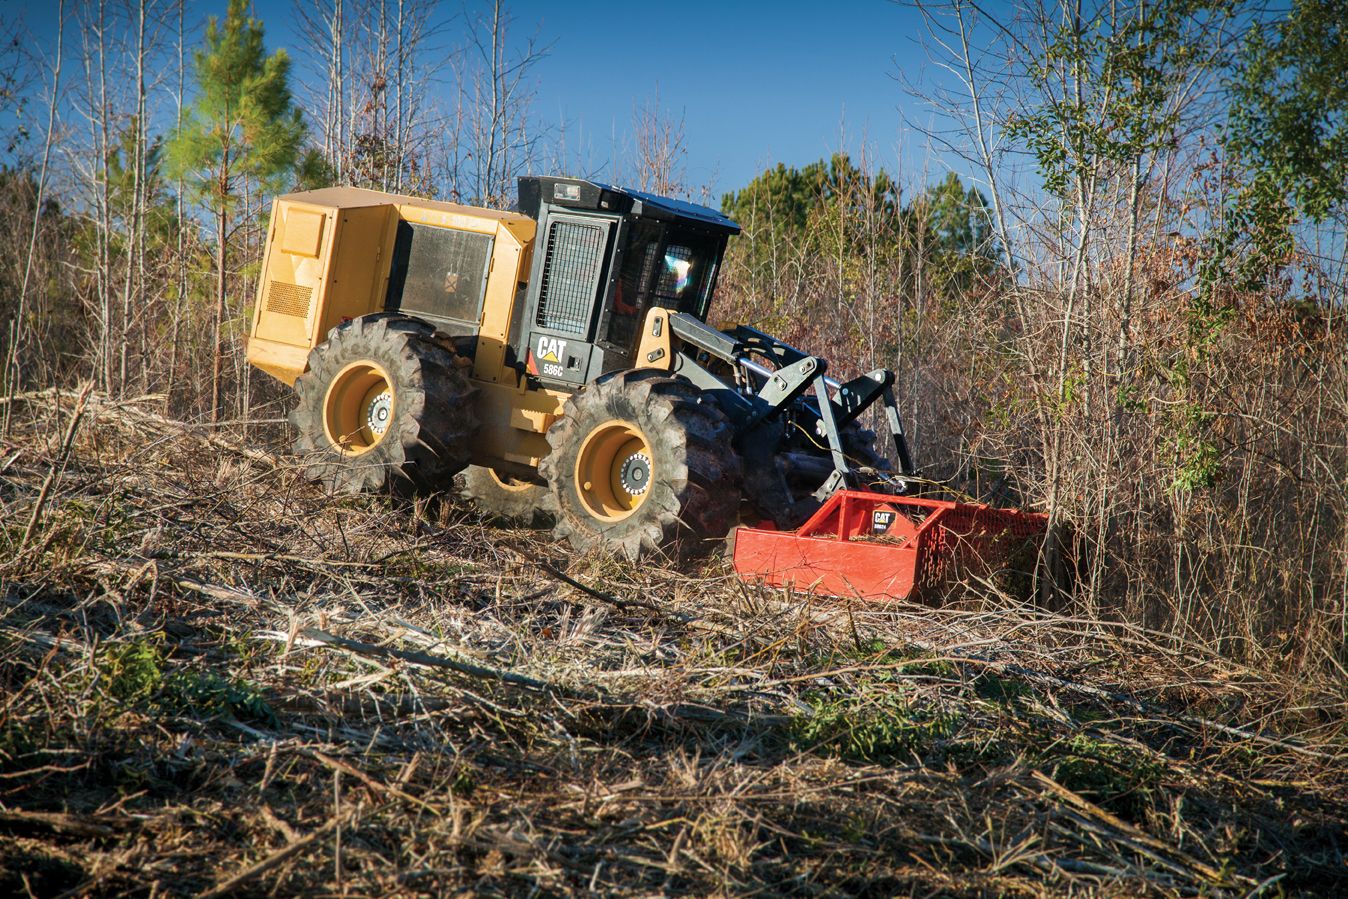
pixel 662 265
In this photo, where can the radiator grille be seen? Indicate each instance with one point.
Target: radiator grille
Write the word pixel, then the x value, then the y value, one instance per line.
pixel 570 279
pixel 288 299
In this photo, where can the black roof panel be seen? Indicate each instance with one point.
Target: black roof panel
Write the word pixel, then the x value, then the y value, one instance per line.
pixel 581 193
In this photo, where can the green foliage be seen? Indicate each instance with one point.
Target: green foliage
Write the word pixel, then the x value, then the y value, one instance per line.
pixel 993 686
pixel 953 229
pixel 870 725
pixel 876 717
pixel 78 525
pixel 133 672
pixel 1115 776
pixel 1197 462
pixel 1129 398
pixel 312 171
pixel 462 783
pixel 957 220
pixel 1188 426
pixel 1288 132
pixel 161 218
pixel 789 212
pixel 18 194
pixel 207 694
pixel 779 200
pixel 243 123
pixel 856 220
pixel 137 674
pixel 1074 386
pixel 1104 82
pixel 1205 320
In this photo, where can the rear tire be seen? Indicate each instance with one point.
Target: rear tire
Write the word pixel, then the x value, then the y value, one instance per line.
pixel 641 465
pixel 384 404
pixel 505 499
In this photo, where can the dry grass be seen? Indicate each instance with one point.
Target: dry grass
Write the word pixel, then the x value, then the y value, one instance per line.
pixel 214 677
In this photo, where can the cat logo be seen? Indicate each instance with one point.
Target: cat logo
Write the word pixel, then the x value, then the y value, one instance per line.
pixel 550 349
pixel 882 519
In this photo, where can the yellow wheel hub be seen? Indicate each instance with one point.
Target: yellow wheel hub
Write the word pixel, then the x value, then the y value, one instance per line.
pixel 358 408
pixel 614 470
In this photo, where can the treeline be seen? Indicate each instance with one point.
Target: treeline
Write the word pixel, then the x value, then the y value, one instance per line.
pixel 1135 322
pixel 152 147
pixel 1128 312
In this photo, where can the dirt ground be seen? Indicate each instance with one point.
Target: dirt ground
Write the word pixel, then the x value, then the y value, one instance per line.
pixel 216 679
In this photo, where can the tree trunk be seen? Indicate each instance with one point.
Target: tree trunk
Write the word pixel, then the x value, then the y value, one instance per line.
pixel 181 299
pixel 104 210
pixel 142 174
pixel 339 87
pixel 11 372
pixel 134 225
pixel 221 236
pixel 400 133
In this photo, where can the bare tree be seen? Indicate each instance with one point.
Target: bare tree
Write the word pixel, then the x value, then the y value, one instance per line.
pixel 17 324
pixel 381 63
pixel 498 136
pixel 323 28
pixel 180 216
pixel 135 274
pixel 94 37
pixel 1151 408
pixel 660 149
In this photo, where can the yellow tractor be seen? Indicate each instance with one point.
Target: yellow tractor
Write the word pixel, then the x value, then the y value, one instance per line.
pixel 559 353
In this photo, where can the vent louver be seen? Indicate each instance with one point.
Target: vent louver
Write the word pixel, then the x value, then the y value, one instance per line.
pixel 288 299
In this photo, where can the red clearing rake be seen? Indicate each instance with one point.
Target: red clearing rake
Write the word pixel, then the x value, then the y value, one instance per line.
pixel 875 546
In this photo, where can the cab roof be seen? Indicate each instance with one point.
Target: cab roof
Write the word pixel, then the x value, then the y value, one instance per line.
pixel 581 193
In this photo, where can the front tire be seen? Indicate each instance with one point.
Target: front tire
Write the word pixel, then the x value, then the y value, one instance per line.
pixel 384 404
pixel 641 465
pixel 858 444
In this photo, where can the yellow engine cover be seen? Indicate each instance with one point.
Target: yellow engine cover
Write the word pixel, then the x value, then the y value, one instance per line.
pixel 328 258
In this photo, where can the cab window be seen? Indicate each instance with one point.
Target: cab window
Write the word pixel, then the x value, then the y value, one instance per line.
pixel 631 295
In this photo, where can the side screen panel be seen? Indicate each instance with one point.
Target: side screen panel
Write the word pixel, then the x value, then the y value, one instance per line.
pixel 439 273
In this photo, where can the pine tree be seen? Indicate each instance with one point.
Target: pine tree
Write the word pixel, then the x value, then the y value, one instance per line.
pixel 242 126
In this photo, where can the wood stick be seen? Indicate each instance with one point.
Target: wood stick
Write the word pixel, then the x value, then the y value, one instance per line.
pixel 57 466
pixel 276 858
pixel 430 661
pixel 339 765
pixel 1144 842
pixel 58 822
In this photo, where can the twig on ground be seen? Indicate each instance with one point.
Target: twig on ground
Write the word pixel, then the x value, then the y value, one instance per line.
pixel 58 465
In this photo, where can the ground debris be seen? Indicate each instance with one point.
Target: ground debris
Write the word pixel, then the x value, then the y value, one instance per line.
pixel 214 677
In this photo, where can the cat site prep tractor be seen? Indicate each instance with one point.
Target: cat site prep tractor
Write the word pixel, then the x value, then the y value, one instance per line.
pixel 559 355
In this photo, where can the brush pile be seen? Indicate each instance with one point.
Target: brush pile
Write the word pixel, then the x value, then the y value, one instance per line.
pixel 216 679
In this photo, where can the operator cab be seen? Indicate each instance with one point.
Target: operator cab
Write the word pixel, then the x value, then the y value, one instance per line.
pixel 603 256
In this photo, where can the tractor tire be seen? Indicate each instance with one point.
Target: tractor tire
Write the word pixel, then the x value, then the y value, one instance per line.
pixel 858 445
pixel 506 500
pixel 384 405
pixel 641 465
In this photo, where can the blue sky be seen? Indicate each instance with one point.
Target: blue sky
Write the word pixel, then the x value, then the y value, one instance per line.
pixel 755 83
